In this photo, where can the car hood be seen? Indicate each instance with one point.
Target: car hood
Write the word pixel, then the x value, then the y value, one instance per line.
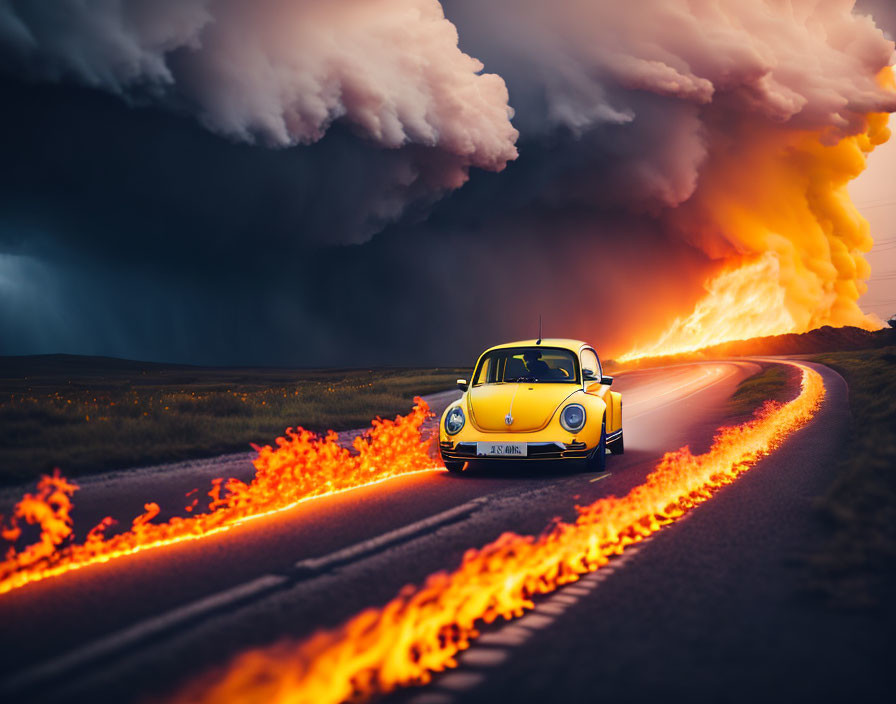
pixel 530 405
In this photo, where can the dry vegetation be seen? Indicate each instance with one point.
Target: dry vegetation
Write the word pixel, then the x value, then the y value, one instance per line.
pixel 88 415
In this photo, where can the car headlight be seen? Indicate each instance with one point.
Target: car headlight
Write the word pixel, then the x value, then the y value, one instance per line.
pixel 455 420
pixel 572 418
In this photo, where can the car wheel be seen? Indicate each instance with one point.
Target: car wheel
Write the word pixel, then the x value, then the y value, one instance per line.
pixel 454 466
pixel 617 446
pixel 597 460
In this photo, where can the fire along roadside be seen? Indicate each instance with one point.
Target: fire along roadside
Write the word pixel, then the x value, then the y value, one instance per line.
pixel 422 630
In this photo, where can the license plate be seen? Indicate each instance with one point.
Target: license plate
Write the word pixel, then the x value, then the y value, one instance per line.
pixel 502 449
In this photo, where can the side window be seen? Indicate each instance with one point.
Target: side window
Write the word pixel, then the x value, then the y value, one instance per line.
pixel 590 365
pixel 491 370
pixel 484 371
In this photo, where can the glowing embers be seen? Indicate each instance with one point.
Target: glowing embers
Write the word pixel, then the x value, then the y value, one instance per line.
pixel 301 466
pixel 422 629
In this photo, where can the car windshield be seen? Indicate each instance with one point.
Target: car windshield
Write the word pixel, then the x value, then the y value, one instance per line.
pixel 527 364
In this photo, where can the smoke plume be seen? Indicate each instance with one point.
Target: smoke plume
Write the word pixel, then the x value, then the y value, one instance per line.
pixel 765 111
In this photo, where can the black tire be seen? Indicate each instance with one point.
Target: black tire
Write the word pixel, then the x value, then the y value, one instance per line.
pixel 597 460
pixel 617 446
pixel 454 466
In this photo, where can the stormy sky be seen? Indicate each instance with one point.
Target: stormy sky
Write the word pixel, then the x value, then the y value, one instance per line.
pixel 310 183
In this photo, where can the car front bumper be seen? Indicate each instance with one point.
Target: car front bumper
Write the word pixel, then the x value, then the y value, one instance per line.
pixel 466 451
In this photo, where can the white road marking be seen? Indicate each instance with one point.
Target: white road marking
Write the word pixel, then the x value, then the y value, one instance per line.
pixel 535 621
pixel 483 657
pixel 320 563
pixel 460 681
pixel 565 597
pixel 592 579
pixel 601 476
pixel 509 635
pixel 514 634
pixel 117 642
pixel 517 632
pixel 140 631
pixel 432 698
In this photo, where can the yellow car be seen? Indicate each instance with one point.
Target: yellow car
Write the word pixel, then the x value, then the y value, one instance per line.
pixel 534 400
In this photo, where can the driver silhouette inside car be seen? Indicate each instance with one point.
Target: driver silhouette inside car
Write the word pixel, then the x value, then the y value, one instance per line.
pixel 537 367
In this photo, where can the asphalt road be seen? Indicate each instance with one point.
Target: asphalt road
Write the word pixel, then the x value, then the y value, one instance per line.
pixel 709 609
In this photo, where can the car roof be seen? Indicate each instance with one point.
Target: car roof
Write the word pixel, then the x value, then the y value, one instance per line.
pixel 567 344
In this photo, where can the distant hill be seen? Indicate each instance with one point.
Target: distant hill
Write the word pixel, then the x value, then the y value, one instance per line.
pixel 53 367
pixel 77 365
pixel 825 339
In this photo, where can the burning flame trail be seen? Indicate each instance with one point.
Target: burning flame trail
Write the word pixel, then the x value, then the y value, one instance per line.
pixel 301 467
pixel 422 629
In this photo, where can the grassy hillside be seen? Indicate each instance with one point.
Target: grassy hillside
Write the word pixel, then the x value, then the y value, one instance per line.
pixel 774 383
pixel 89 414
pixel 824 339
pixel 857 563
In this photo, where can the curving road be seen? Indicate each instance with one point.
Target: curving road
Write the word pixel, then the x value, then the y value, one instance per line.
pixel 658 623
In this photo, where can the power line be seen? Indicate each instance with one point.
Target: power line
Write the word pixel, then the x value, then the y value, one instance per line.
pixel 887 204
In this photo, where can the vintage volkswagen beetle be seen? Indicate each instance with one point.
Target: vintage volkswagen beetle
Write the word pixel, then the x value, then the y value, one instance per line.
pixel 534 400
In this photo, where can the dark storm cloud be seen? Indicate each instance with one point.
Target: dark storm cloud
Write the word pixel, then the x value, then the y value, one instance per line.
pixel 408 297
pixel 151 237
pixel 130 180
pixel 883 12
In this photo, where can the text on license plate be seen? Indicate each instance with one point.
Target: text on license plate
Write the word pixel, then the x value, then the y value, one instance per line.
pixel 502 449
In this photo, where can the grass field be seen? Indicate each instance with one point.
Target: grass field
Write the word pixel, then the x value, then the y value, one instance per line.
pixel 857 564
pixel 773 383
pixel 88 414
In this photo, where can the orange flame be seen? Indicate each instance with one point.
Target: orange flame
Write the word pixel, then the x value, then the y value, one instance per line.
pixel 777 210
pixel 421 630
pixel 302 466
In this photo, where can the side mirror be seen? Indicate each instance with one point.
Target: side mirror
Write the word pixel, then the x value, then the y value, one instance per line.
pixel 606 380
pixel 462 384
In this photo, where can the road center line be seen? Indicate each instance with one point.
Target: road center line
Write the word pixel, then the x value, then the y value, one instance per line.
pixel 349 554
pixel 115 644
